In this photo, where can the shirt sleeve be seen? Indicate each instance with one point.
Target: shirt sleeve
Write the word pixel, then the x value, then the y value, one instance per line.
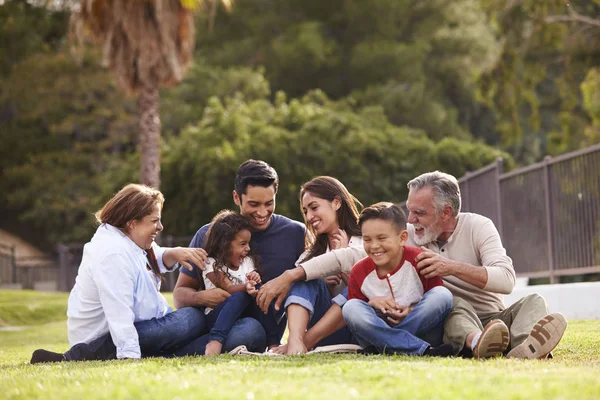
pixel 500 270
pixel 115 279
pixel 197 242
pixel 159 251
pixel 357 277
pixel 333 262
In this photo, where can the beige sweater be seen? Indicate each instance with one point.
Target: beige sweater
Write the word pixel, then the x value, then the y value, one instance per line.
pixel 474 241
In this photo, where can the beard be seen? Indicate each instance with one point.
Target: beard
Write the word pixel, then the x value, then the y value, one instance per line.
pixel 429 234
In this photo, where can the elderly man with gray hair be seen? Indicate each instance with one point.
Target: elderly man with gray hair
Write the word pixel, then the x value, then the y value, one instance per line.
pixel 466 251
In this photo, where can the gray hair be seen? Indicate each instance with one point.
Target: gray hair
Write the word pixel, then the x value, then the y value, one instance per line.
pixel 446 191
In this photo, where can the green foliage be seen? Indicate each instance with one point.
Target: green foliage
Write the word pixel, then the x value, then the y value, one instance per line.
pixel 418 59
pixel 301 138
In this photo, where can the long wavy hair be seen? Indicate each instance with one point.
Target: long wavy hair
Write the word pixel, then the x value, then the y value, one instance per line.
pixel 223 229
pixel 329 188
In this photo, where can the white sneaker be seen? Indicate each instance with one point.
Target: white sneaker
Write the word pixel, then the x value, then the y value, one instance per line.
pixel 543 338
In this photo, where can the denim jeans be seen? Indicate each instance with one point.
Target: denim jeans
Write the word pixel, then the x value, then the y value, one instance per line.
pixel 315 297
pixel 422 327
pixel 157 337
pixel 223 317
pixel 245 331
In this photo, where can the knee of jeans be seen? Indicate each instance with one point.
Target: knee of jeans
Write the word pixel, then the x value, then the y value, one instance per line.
pixel 350 310
pixel 444 297
pixel 194 320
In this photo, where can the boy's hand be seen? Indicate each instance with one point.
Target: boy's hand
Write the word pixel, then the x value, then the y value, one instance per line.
pixel 253 276
pixel 251 288
pixel 394 317
pixel 384 304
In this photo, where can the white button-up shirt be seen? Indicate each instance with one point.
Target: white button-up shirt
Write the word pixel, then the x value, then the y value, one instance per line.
pixel 113 290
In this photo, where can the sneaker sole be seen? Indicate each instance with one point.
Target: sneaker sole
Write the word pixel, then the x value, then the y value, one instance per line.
pixel 544 337
pixel 493 341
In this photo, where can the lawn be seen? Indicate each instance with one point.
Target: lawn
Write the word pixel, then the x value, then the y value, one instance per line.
pixel 573 373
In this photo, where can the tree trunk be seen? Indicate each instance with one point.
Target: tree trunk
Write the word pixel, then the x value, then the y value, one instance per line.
pixel 148 107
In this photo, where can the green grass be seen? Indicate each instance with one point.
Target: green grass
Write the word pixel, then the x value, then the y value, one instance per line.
pixel 573 373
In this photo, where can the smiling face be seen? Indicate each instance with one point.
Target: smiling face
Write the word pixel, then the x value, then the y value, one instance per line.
pixel 239 248
pixel 143 232
pixel 321 214
pixel 257 204
pixel 384 243
pixel 423 215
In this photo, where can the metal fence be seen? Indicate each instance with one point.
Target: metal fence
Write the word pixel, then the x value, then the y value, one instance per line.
pixel 548 215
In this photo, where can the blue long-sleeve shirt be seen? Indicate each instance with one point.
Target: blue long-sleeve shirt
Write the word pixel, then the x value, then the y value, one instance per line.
pixel 113 290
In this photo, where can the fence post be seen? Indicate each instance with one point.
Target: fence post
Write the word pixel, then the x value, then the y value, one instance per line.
pixel 62 251
pixel 499 171
pixel 13 261
pixel 549 219
pixel 465 194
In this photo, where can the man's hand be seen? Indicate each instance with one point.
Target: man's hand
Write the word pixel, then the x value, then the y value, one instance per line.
pixel 431 264
pixel 339 240
pixel 212 297
pixel 278 288
pixel 253 276
pixel 384 304
pixel 185 256
pixel 251 288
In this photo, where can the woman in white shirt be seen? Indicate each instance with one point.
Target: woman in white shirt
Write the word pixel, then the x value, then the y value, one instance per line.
pixel 116 309
pixel 331 218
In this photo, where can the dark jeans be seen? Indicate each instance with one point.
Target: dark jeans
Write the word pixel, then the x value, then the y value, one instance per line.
pixel 175 334
pixel 223 317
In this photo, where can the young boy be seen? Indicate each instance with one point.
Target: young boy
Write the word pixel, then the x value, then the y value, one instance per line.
pixel 391 307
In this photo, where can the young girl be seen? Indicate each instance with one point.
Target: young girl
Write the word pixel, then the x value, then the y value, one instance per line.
pixel 331 218
pixel 231 268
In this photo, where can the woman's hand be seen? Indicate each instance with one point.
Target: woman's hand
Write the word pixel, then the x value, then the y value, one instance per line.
pixel 339 240
pixel 185 256
pixel 332 282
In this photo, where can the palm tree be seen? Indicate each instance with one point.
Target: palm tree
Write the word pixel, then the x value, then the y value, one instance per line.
pixel 147 44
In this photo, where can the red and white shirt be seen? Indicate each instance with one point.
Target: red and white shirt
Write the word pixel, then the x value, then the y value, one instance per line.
pixel 404 283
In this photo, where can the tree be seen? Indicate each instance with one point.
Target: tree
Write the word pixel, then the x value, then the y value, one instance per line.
pixel 146 44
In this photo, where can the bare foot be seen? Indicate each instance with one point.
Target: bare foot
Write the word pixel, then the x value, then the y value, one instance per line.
pixel 295 347
pixel 279 349
pixel 213 348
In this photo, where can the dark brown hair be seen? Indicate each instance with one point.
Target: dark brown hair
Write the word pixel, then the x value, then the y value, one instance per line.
pixel 385 211
pixel 132 203
pixel 223 229
pixel 329 188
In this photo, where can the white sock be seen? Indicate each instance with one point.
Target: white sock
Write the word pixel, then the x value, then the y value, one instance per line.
pixel 475 340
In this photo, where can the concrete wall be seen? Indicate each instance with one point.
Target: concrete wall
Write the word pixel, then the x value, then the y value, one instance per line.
pixel 574 300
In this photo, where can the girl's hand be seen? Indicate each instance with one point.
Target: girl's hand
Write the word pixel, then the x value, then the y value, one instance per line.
pixel 339 240
pixel 345 277
pixel 253 276
pixel 251 288
pixel 332 282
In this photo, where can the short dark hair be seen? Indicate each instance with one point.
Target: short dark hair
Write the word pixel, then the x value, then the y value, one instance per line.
pixel 255 173
pixel 385 211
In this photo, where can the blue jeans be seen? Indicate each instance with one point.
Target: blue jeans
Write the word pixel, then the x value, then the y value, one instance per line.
pixel 315 297
pixel 223 317
pixel 422 327
pixel 157 337
pixel 246 331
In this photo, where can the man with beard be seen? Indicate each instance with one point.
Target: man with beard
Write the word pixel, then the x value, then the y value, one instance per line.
pixel 466 251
